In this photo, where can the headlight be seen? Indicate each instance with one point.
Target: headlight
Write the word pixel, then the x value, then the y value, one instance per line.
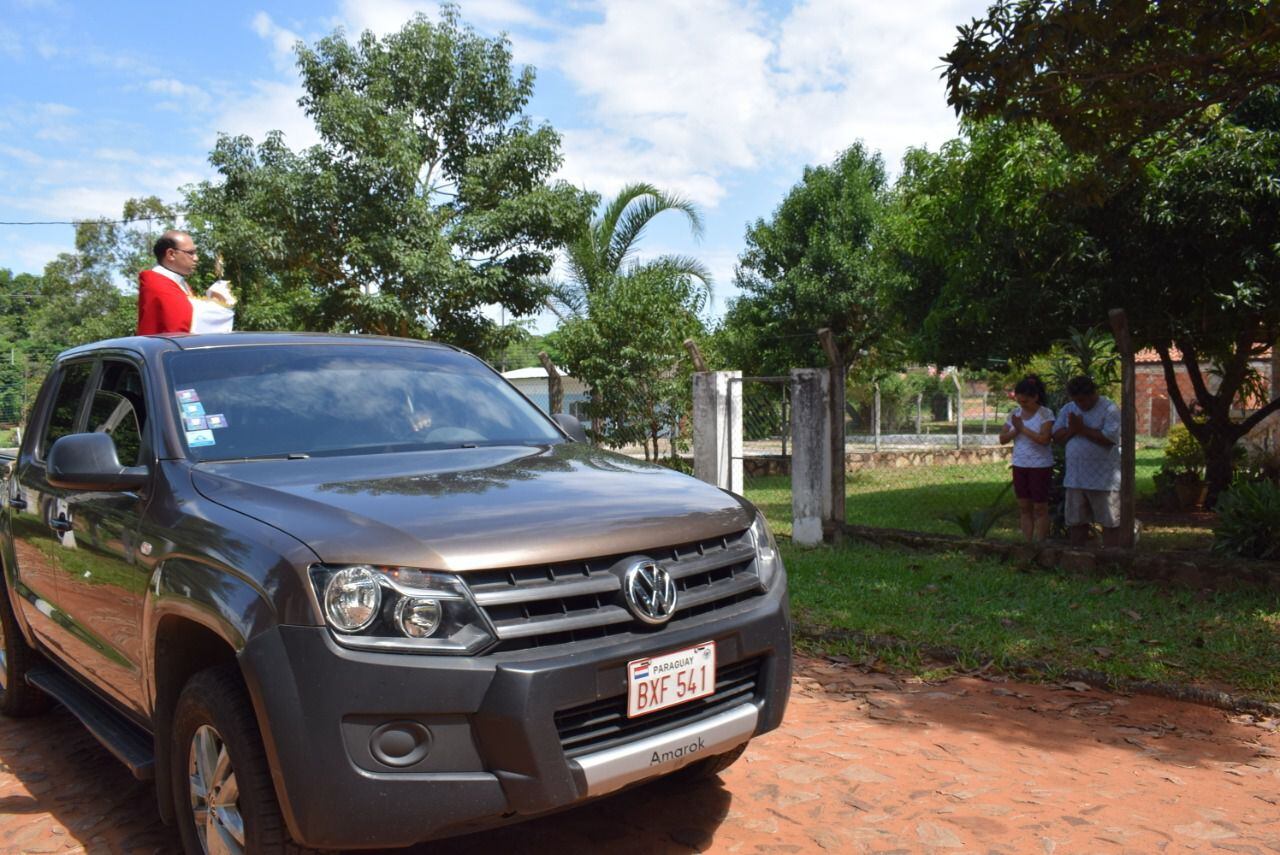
pixel 351 598
pixel 400 608
pixel 768 559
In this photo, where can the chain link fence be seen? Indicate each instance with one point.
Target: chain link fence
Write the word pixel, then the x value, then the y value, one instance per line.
pixel 925 462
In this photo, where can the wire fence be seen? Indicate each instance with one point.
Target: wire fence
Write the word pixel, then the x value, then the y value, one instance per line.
pixel 22 370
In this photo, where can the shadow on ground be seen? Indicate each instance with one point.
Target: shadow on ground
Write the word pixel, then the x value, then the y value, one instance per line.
pixel 74 792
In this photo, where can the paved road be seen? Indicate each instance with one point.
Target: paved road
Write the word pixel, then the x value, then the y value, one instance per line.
pixel 865 763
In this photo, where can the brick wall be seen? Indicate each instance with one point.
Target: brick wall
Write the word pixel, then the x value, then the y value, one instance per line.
pixel 1155 412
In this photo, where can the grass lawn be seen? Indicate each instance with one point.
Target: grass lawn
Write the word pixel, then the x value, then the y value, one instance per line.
pixel 992 612
pixel 921 498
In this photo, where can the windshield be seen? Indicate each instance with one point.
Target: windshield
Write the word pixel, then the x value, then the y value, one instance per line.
pixel 318 399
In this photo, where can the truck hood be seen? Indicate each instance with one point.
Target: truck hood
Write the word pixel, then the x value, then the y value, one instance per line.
pixel 475 508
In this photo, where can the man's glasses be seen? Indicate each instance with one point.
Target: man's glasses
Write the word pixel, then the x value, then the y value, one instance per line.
pixel 190 252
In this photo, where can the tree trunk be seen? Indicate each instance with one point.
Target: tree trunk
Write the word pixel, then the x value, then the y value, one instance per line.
pixel 1219 466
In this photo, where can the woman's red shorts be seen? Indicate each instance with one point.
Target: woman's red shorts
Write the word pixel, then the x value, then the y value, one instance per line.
pixel 1032 482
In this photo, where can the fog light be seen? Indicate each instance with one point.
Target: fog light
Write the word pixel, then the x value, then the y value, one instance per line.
pixel 400 743
pixel 418 617
pixel 352 598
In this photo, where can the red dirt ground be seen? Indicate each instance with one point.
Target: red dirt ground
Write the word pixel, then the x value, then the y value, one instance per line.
pixel 866 762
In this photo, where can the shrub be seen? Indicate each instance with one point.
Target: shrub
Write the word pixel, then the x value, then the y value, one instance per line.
pixel 1249 521
pixel 1183 454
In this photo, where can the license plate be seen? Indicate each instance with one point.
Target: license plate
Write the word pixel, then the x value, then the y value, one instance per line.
pixel 675 678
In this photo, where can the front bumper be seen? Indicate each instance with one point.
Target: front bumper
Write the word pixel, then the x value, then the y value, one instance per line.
pixel 496 753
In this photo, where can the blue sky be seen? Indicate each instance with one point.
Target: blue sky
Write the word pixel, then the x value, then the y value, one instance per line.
pixel 722 101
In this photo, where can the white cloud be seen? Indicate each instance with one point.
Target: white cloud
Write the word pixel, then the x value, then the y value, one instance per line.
pixel 387 16
pixel 709 89
pixel 10 44
pixel 282 40
pixel 271 105
pixel 169 86
pixel 603 163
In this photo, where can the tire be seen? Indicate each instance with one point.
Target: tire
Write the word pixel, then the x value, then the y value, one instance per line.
pixel 17 698
pixel 704 770
pixel 217 757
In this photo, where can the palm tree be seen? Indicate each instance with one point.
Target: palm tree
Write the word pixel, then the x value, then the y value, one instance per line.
pixel 605 248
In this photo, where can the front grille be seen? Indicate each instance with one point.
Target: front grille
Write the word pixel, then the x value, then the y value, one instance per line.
pixel 604 724
pixel 561 604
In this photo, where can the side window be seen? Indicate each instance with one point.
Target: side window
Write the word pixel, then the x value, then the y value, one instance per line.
pixel 119 409
pixel 66 405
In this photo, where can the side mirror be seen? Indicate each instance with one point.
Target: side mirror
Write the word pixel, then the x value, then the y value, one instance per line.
pixel 88 461
pixel 570 425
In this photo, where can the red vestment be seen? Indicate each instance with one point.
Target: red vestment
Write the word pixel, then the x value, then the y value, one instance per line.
pixel 163 307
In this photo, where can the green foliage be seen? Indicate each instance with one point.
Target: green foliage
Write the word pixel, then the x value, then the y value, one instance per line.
pixel 429 197
pixel 977 251
pixel 1182 454
pixel 1089 352
pixel 1114 79
pixel 629 349
pixel 810 266
pixel 1249 520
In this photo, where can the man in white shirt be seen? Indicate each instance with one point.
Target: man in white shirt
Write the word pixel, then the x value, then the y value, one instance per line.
pixel 1090 427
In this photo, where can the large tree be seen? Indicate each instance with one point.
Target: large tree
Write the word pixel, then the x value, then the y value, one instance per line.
pixel 429 197
pixel 810 265
pixel 1166 115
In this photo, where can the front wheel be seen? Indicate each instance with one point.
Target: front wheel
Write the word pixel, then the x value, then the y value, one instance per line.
pixel 17 697
pixel 223 797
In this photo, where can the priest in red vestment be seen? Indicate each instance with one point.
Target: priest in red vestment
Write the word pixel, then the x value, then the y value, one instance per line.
pixel 165 301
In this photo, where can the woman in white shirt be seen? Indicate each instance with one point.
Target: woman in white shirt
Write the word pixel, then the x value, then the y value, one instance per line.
pixel 1030 427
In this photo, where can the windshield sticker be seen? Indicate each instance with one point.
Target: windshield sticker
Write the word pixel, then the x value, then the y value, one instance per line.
pixel 192 410
pixel 187 396
pixel 197 438
pixel 217 420
pixel 195 423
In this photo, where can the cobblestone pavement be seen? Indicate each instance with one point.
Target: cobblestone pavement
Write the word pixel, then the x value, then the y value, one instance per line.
pixel 866 762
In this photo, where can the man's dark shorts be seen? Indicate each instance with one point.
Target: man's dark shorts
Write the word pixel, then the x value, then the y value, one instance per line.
pixel 1032 482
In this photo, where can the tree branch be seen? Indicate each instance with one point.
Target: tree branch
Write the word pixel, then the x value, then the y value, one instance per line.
pixel 1171 384
pixel 1252 421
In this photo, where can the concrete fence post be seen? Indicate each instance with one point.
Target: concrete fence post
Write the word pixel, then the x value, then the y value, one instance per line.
pixel 717 428
pixel 876 416
pixel 955 378
pixel 810 455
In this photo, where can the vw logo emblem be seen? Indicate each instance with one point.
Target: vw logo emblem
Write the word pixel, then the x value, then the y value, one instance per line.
pixel 650 592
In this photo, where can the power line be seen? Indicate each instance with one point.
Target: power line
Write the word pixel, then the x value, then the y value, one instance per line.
pixel 95 222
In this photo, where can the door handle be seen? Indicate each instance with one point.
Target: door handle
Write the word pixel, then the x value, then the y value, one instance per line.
pixel 17 502
pixel 60 525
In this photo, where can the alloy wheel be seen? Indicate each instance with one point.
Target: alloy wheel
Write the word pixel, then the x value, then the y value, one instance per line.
pixel 214 794
pixel 4 656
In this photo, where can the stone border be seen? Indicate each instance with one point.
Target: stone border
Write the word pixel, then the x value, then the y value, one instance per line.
pixel 758 465
pixel 1096 679
pixel 1174 567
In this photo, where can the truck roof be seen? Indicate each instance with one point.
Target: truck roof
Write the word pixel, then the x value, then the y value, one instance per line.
pixel 155 344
